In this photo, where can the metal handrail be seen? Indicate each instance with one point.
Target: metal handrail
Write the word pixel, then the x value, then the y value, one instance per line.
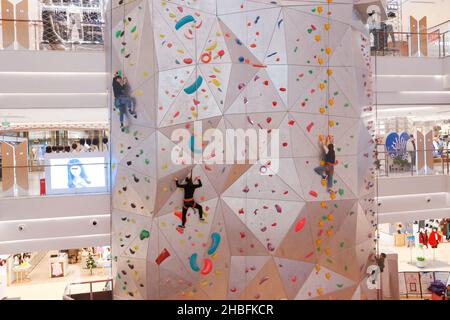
pixel 444 158
pixel 438 25
pixel 397 38
pixel 66 295
pixel 37 31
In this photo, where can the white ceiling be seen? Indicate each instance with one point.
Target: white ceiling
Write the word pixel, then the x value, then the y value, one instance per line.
pixel 420 112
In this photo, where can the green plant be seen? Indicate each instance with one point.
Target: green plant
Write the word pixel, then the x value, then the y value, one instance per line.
pixel 420 258
pixel 400 162
pixel 90 262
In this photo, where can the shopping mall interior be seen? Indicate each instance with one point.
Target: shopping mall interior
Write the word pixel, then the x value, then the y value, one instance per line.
pixel 115 122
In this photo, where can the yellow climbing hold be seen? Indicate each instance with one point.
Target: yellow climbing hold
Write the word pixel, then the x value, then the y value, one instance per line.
pixel 331 101
pixel 212 47
pixel 329 72
pixel 331 123
pixel 139 93
pixel 327 26
pixel 330 232
pixel 321 223
pixel 319 9
pixel 320 61
pixel 317 268
pixel 204 282
pixel 322 110
pixel 317 37
pixel 330 217
pixel 320 291
pixel 323 204
pixel 328 276
pixel 322 86
pixel 332 196
pixel 318 242
pixel 328 50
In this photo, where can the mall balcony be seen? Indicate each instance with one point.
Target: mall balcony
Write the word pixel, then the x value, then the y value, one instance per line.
pixel 53 96
pixel 412 96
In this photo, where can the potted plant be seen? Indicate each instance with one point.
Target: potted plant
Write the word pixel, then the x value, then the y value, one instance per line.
pixel 90 262
pixel 420 263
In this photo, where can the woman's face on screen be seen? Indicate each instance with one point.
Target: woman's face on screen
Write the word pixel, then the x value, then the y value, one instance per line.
pixel 75 170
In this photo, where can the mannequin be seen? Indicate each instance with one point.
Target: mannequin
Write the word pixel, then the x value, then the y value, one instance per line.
pixel 94 146
pixel 434 238
pixel 87 146
pixel 423 237
pixel 105 144
pixel 82 143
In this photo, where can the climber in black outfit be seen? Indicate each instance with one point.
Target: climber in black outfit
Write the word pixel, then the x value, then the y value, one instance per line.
pixel 189 202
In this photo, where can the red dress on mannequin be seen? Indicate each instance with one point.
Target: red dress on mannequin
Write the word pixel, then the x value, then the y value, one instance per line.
pixel 434 239
pixel 423 238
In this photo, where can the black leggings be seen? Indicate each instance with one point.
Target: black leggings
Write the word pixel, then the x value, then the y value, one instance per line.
pixel 193 205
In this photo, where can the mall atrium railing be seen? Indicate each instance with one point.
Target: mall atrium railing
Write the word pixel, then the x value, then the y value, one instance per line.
pixel 409 165
pixel 68 174
pixel 37 35
pixel 89 290
pixel 408 44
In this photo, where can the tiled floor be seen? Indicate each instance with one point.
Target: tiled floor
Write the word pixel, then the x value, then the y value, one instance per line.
pixel 437 259
pixel 40 286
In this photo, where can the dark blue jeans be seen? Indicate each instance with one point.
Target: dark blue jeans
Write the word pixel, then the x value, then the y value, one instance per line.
pixel 328 171
pixel 123 103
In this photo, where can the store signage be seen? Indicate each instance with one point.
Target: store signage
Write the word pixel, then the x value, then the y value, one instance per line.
pixel 396 145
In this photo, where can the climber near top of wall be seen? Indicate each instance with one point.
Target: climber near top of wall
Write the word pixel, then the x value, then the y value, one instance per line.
pixel 326 168
pixel 189 202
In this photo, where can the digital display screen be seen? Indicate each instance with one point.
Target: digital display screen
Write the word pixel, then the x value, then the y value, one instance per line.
pixel 76 173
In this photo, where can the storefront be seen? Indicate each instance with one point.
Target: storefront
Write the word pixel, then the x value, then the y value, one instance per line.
pixel 23 273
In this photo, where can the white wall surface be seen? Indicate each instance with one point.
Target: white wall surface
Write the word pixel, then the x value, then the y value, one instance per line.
pixel 53 80
pixel 413 198
pixel 54 222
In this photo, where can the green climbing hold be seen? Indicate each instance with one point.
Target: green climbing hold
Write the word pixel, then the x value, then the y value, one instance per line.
pixel 118 33
pixel 339 285
pixel 342 244
pixel 147 162
pixel 341 192
pixel 310 30
pixel 144 235
pixel 133 30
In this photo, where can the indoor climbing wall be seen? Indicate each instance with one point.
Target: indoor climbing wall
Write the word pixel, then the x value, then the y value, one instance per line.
pixel 301 67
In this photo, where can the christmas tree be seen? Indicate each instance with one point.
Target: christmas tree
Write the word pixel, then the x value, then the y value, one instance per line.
pixel 90 262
